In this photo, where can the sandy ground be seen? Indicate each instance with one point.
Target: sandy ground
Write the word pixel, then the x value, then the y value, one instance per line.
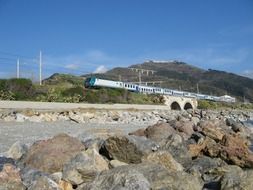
pixel 29 132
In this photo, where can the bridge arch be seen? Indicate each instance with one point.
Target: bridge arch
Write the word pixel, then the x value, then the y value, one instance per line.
pixel 188 106
pixel 175 106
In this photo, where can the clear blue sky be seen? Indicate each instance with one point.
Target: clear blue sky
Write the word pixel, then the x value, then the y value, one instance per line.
pixel 78 36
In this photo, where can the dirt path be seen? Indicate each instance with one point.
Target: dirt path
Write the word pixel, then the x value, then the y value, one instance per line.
pixel 28 132
pixel 66 106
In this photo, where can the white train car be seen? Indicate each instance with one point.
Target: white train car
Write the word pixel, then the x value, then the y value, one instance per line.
pixel 157 90
pixel 200 96
pixel 145 89
pixel 189 95
pixel 167 91
pixel 177 93
pixel 108 83
pixel 227 98
pixel 130 86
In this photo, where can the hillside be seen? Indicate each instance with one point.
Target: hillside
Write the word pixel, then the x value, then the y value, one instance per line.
pixel 180 75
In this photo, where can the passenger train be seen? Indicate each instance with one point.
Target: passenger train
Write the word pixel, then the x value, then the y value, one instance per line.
pixel 96 82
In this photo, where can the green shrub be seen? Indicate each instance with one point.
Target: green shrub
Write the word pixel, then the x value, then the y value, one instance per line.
pixel 6 95
pixel 78 90
pixel 205 104
pixel 20 89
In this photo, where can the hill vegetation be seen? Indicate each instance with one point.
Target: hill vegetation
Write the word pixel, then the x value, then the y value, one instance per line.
pixel 179 75
pixel 174 75
pixel 69 88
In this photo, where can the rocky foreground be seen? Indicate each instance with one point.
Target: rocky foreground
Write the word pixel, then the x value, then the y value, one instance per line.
pixel 191 150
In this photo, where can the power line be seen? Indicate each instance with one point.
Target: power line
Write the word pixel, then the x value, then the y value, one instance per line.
pixel 15 55
pixel 5 58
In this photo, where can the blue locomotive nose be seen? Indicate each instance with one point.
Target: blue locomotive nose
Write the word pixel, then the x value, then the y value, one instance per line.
pixel 89 82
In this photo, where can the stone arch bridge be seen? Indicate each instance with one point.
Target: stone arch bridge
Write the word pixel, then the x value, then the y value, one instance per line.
pixel 180 103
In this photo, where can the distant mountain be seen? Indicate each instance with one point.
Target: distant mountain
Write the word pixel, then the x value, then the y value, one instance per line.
pixel 180 75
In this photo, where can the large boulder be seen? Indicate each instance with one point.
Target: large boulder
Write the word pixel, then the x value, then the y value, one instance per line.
pixel 16 151
pixel 213 130
pixel 231 149
pixel 128 149
pixel 159 131
pixel 138 132
pixel 43 183
pixel 143 176
pixel 165 159
pixel 236 151
pixel 30 175
pixel 50 155
pixel 116 163
pixel 177 147
pixel 10 178
pixel 4 160
pixel 185 127
pixel 201 167
pixel 84 167
pixel 237 180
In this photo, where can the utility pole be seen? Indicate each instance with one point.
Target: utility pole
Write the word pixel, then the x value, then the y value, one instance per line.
pixel 140 77
pixel 40 68
pixel 198 88
pixel 18 68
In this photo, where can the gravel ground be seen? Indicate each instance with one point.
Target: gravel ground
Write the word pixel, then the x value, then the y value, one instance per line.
pixel 29 132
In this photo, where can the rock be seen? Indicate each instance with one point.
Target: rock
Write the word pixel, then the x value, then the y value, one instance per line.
pixel 195 120
pixel 29 176
pixel 84 167
pixel 212 148
pixel 198 137
pixel 230 122
pixel 20 117
pixel 231 149
pixel 50 155
pixel 143 176
pixel 43 183
pixel 118 179
pixel 236 126
pixel 128 149
pixel 10 178
pixel 196 149
pixel 165 159
pixel 215 176
pixel 202 165
pixel 211 130
pixel 57 176
pixel 4 160
pixel 16 151
pixel 116 163
pixel 139 132
pixel 64 185
pixel 185 127
pixel 241 180
pixel 236 151
pixel 95 143
pixel 208 147
pixel 36 118
pixel 159 131
pixel 177 148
